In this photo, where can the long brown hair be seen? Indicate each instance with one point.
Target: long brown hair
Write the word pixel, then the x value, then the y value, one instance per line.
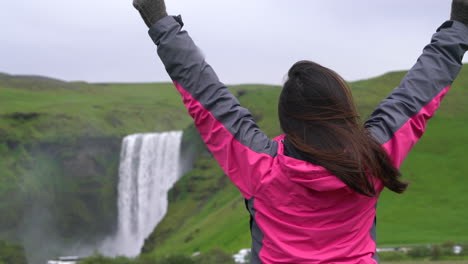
pixel 317 114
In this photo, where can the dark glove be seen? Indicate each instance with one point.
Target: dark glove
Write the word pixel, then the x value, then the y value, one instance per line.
pixel 150 10
pixel 460 11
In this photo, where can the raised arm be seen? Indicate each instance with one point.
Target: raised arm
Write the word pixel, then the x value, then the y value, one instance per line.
pixel 228 130
pixel 400 120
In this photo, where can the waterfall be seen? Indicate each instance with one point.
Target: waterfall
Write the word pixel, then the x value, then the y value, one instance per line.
pixel 149 167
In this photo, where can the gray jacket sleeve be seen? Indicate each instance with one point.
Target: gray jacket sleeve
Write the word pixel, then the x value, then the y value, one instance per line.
pixel 400 120
pixel 229 131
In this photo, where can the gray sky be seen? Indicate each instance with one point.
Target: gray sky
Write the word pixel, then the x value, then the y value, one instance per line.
pixel 246 41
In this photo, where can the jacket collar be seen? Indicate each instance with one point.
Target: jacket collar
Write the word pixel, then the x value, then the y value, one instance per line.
pixel 293 164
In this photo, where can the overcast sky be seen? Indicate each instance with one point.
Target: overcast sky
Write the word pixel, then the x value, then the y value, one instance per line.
pixel 246 41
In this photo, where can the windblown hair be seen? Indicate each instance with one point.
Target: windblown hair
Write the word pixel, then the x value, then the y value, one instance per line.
pixel 318 115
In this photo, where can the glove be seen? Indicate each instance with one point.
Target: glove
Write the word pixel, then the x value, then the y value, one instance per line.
pixel 460 11
pixel 151 10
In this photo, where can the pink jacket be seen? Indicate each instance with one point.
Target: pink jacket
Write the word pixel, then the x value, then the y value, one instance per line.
pixel 300 213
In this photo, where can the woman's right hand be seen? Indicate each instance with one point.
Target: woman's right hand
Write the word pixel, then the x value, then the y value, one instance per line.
pixel 460 11
pixel 150 10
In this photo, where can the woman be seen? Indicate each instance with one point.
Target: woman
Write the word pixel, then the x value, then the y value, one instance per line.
pixel 312 192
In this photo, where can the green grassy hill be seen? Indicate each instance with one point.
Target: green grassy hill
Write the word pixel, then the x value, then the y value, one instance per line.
pixel 42 109
pixel 48 128
pixel 432 209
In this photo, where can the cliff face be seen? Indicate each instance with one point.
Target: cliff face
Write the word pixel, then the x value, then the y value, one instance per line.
pixel 86 157
pixel 73 183
pixel 63 196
